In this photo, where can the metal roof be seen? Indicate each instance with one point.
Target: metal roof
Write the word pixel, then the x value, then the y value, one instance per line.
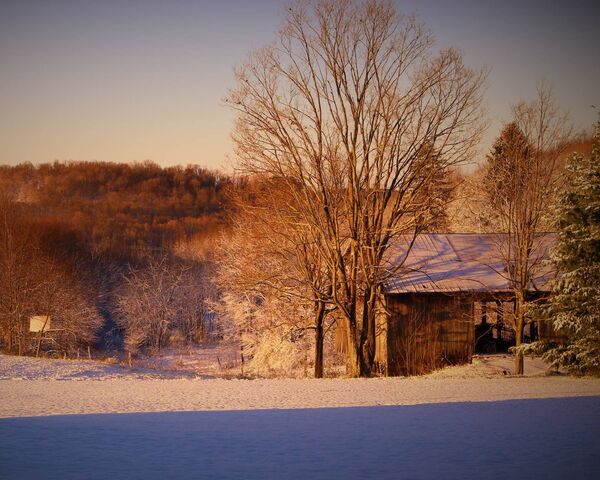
pixel 461 262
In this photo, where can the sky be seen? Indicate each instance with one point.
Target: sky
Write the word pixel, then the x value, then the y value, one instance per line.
pixel 128 81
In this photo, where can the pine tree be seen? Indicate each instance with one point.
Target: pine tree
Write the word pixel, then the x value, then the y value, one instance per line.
pixel 574 307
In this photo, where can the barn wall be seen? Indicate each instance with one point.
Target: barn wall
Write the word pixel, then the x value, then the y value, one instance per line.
pixel 427 331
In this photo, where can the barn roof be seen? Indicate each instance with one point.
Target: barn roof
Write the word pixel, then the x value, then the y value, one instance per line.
pixel 459 262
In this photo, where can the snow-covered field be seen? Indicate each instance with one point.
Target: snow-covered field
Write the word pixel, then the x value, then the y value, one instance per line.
pixel 84 419
pixel 41 387
pixel 206 362
pixel 203 364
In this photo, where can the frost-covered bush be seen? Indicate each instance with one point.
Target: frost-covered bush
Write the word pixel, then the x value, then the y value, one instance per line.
pixel 271 332
pixel 277 353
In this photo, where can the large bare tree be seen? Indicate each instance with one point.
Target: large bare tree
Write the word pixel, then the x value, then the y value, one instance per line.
pixel 521 176
pixel 347 106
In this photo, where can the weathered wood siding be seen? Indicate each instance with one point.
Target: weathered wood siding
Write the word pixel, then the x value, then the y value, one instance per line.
pixel 425 332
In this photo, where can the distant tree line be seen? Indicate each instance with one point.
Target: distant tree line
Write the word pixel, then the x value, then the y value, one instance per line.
pixel 124 210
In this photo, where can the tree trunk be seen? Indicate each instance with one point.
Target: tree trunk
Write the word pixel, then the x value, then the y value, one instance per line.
pixel 319 316
pixel 357 365
pixel 519 361
pixel 368 330
pixel 353 353
pixel 355 360
pixel 40 338
pixel 519 324
pixel 39 344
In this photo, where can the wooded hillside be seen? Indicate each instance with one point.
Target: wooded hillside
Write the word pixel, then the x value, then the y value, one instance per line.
pixel 121 209
pixel 78 238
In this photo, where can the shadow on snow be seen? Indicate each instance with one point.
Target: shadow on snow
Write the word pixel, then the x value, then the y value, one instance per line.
pixel 549 438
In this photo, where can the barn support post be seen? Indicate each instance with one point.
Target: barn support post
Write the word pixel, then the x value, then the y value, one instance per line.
pixel 471 338
pixel 499 319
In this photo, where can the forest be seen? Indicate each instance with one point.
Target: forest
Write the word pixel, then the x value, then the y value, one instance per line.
pixel 120 209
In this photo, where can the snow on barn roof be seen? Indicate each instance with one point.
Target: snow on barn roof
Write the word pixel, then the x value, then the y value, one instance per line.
pixel 461 262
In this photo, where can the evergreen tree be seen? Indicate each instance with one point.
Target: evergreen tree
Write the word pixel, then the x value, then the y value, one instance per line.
pixel 574 307
pixel 509 167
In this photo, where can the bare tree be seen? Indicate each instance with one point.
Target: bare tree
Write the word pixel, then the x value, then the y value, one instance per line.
pixel 346 107
pixel 257 307
pixel 521 174
pixel 194 296
pixel 467 211
pixel 149 304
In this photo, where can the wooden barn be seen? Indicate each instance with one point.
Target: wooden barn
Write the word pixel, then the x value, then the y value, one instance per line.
pixel 450 299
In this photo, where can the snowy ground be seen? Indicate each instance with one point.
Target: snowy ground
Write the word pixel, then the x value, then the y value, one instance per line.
pixel 34 387
pixel 84 419
pixel 548 439
pixel 213 362
pixel 210 361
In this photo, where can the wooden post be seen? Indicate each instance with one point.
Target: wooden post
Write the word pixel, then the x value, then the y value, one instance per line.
pixel 129 358
pixel 242 354
pixel 89 353
pixel 40 338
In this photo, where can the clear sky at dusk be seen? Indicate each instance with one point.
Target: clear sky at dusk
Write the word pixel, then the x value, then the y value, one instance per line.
pixel 136 80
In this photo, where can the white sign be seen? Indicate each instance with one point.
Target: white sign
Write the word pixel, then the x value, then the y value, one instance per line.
pixel 39 323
